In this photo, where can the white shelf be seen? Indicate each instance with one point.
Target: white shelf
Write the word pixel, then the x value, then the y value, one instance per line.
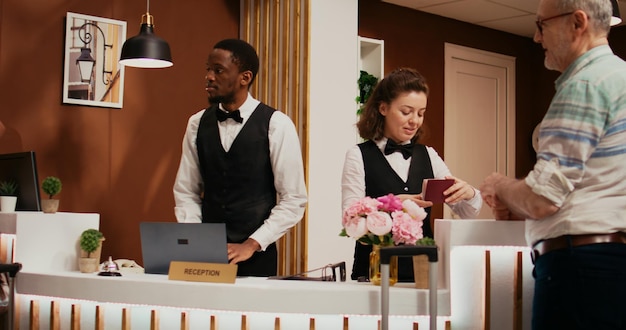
pixel 372 56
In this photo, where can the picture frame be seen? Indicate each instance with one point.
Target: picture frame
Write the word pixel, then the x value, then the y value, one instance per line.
pixel 92 73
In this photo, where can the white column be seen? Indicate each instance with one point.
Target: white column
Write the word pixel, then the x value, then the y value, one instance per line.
pixel 332 115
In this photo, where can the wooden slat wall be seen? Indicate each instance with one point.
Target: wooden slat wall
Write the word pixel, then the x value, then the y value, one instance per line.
pixel 55 315
pixel 34 315
pixel 75 317
pixel 487 286
pixel 278 29
pixel 99 318
pixel 518 289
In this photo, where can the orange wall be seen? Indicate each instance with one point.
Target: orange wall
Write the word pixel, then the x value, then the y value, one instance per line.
pixel 120 163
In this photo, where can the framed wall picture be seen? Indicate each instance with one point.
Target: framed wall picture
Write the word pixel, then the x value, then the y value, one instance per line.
pixel 92 73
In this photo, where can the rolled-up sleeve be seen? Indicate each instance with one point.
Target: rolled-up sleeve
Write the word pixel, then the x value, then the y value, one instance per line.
pixel 548 180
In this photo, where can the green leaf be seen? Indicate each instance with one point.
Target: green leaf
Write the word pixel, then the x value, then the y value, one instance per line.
pixel 90 240
pixel 426 241
pixel 8 188
pixel 366 83
pixel 51 186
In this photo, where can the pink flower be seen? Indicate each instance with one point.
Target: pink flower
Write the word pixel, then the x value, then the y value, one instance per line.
pixel 384 219
pixel 405 229
pixel 379 223
pixel 360 208
pixel 390 203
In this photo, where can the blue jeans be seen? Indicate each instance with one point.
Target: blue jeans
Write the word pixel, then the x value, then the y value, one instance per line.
pixel 581 288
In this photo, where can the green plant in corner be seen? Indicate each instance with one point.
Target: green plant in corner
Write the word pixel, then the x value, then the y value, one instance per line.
pixel 90 240
pixel 51 186
pixel 425 241
pixel 8 188
pixel 366 83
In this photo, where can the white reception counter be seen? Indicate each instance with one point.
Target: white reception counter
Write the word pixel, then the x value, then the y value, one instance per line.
pixel 52 277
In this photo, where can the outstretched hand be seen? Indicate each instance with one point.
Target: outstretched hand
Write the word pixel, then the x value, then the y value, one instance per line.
pixel 459 191
pixel 417 199
pixel 499 210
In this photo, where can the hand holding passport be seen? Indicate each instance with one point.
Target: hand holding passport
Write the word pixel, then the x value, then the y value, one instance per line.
pixel 432 189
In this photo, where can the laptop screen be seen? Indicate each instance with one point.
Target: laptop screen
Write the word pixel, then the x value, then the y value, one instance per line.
pixel 163 242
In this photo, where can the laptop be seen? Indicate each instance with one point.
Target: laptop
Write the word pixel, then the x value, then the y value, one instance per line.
pixel 162 242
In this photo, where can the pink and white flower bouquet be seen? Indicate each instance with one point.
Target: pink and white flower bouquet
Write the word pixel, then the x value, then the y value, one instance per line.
pixel 385 220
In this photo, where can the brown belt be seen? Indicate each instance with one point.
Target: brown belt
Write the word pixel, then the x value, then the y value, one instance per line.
pixel 566 241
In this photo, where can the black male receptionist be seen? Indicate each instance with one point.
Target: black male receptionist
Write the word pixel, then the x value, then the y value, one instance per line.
pixel 241 163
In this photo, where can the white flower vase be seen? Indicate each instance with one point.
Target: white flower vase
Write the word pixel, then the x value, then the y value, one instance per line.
pixel 7 203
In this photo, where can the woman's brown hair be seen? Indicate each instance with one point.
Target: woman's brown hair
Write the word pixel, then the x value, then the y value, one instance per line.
pixel 402 80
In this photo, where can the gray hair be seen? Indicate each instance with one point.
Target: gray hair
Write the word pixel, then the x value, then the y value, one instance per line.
pixel 599 11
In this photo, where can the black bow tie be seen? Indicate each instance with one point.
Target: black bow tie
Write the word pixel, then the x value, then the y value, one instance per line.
pixel 223 115
pixel 405 149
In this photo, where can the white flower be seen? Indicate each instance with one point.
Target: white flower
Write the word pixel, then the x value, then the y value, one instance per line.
pixel 379 223
pixel 414 210
pixel 356 228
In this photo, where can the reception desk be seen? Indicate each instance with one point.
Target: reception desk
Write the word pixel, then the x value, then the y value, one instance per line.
pixel 246 294
pixel 59 295
pixel 47 241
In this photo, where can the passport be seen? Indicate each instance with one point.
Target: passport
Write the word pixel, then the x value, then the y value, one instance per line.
pixel 432 189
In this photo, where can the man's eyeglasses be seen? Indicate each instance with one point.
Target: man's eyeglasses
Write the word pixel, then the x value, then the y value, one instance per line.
pixel 540 22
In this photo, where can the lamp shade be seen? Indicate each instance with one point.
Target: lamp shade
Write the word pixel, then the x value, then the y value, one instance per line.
pixel 615 18
pixel 146 50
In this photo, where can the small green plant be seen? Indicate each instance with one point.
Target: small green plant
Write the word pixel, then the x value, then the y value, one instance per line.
pixel 366 86
pixel 90 240
pixel 8 188
pixel 425 241
pixel 51 186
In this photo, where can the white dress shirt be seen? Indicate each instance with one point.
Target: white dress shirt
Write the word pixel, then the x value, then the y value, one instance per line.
pixel 286 158
pixel 353 178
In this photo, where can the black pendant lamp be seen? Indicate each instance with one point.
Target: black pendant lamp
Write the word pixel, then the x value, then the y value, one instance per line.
pixel 615 18
pixel 146 50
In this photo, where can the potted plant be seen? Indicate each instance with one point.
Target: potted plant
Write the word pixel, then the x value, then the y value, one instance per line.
pixel 51 186
pixel 90 250
pixel 8 196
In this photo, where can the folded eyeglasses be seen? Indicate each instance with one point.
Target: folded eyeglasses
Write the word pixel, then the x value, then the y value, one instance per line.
pixel 329 274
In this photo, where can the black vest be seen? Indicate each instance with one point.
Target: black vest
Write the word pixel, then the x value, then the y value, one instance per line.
pixel 380 180
pixel 239 184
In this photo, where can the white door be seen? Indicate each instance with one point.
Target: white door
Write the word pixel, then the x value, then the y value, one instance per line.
pixel 479 127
